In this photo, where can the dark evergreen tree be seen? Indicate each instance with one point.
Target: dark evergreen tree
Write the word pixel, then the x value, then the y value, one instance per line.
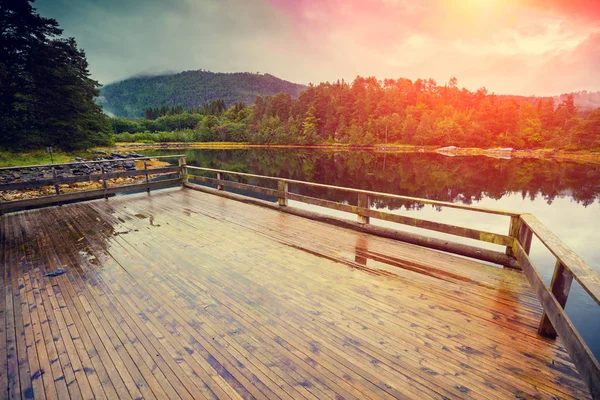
pixel 46 95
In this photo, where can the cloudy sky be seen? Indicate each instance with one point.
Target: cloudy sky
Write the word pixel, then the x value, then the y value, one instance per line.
pixel 541 47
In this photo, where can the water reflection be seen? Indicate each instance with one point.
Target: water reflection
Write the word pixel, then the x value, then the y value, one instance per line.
pixel 464 179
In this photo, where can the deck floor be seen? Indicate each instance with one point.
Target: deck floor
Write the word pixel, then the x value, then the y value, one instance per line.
pixel 182 294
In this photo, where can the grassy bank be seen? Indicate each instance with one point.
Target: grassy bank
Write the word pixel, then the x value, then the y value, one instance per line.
pixel 10 159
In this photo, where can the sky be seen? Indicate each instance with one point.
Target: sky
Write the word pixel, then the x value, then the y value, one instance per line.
pixel 524 47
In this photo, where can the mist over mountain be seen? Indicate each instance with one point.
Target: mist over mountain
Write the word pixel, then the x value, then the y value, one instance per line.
pixel 130 97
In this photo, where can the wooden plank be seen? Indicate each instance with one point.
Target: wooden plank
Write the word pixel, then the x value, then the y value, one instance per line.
pixel 77 381
pixel 195 389
pixel 583 273
pixel 88 194
pixel 51 370
pixel 582 356
pixel 7 341
pixel 371 193
pixel 22 387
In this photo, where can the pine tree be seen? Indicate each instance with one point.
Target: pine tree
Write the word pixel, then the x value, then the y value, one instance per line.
pixel 46 95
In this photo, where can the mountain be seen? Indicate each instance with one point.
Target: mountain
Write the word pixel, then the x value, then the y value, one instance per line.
pixel 130 97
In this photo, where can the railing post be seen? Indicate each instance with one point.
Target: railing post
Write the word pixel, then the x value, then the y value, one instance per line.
pixel 220 178
pixel 183 171
pixel 147 179
pixel 363 202
pixel 560 287
pixel 513 232
pixel 104 184
pixel 56 188
pixel 282 200
pixel 524 237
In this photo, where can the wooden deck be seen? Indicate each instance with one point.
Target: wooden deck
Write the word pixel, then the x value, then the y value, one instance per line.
pixel 182 294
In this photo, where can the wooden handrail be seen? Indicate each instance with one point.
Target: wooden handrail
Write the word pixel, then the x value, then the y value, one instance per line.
pixel 84 195
pixel 367 192
pixel 582 272
pixel 103 176
pixel 580 353
pixel 85 178
pixel 364 212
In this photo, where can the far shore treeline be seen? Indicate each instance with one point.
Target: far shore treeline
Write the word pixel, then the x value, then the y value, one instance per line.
pixel 47 98
pixel 368 111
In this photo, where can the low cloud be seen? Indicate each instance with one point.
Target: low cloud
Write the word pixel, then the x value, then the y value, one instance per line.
pixel 509 46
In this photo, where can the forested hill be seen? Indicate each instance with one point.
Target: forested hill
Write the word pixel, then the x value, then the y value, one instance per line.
pixel 129 98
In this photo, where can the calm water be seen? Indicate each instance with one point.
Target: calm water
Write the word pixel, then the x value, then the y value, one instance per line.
pixel 565 196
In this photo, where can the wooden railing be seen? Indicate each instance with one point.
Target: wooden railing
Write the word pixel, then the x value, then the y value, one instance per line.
pixel 518 241
pixel 104 177
pixel 554 298
pixel 364 213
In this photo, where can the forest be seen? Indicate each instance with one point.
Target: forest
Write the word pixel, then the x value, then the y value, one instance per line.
pixel 368 111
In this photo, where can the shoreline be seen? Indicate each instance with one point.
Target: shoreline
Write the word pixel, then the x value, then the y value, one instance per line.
pixel 581 155
pixel 39 157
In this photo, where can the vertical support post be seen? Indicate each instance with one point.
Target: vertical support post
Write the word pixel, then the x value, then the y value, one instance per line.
pixel 147 179
pixel 513 232
pixel 56 188
pixel 525 237
pixel 104 184
pixel 560 286
pixel 282 200
pixel 363 202
pixel 220 178
pixel 183 170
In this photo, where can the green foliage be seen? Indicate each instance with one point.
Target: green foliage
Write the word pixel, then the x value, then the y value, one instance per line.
pixel 369 112
pixel 133 97
pixel 46 95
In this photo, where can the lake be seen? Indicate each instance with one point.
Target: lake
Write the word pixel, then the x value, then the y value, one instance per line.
pixel 564 195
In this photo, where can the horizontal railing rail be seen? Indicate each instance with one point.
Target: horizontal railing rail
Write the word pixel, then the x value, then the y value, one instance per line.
pixel 367 192
pixel 102 175
pixel 521 229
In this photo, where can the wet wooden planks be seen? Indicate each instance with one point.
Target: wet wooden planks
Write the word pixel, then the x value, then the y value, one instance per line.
pixel 181 294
